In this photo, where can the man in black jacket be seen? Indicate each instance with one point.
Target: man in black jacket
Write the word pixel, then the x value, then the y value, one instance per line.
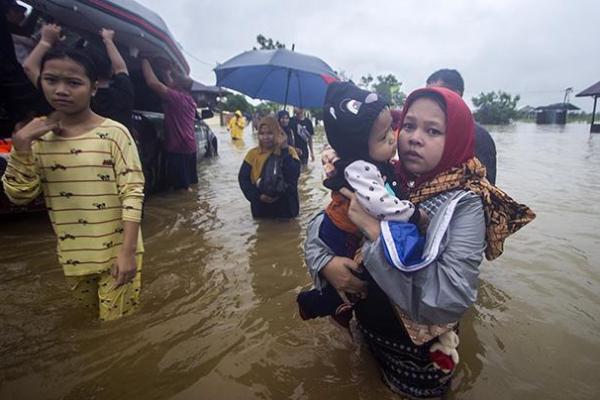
pixel 303 131
pixel 485 148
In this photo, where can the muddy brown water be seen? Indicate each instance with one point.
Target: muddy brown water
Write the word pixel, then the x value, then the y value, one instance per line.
pixel 218 318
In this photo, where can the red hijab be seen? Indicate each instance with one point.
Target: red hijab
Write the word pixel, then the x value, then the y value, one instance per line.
pixel 460 134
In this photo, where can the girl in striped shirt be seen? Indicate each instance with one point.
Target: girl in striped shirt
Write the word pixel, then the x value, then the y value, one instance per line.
pixel 88 169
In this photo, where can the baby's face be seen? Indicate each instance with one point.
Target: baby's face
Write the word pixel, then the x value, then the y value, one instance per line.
pixel 382 139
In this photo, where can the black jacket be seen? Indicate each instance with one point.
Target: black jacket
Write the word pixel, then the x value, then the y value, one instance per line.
pixel 287 205
pixel 485 151
pixel 299 142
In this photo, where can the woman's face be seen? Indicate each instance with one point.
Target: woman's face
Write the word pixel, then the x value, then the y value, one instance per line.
pixel 66 85
pixel 266 137
pixel 284 121
pixel 422 136
pixel 382 139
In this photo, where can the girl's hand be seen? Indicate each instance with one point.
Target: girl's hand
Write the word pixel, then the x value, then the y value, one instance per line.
pixel 368 225
pixel 338 274
pixel 125 269
pixel 107 34
pixel 50 34
pixel 36 128
pixel 328 158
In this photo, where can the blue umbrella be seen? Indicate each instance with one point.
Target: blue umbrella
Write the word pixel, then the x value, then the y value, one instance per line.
pixel 280 75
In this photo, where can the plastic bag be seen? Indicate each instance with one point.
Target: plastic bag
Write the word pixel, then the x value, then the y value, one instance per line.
pixel 272 182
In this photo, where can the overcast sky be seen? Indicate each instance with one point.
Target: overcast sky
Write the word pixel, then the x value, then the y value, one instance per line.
pixel 532 48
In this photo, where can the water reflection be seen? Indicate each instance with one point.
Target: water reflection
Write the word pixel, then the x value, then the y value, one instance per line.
pixel 491 304
pixel 239 146
pixel 276 260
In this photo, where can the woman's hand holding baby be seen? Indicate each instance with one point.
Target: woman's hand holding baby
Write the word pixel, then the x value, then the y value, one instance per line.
pixel 368 225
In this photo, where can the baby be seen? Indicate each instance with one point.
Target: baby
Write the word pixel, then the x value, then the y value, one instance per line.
pixel 358 125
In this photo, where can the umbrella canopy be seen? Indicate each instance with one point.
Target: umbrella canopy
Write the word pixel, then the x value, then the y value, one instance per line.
pixel 280 75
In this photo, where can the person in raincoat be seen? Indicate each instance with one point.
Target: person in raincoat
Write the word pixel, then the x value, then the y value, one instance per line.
pixel 236 126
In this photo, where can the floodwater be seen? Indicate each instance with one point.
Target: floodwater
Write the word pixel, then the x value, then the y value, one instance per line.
pixel 218 318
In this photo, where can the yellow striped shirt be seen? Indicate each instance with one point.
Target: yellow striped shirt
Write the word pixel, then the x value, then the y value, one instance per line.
pixel 91 183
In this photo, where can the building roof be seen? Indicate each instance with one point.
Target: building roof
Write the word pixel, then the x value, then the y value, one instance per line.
pixel 200 87
pixel 593 90
pixel 526 109
pixel 559 106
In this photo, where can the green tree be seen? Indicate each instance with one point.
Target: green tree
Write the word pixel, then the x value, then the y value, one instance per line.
pixel 267 107
pixel 266 43
pixel 387 86
pixel 234 102
pixel 366 82
pixel 495 108
pixel 343 75
pixel 317 114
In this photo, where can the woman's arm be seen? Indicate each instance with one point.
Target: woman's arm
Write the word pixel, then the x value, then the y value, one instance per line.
pixel 116 59
pixel 311 131
pixel 291 170
pixel 441 292
pixel 50 35
pixel 250 190
pixel 368 225
pixel 152 80
pixel 325 267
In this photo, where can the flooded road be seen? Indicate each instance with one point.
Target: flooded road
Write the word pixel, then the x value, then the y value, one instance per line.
pixel 219 321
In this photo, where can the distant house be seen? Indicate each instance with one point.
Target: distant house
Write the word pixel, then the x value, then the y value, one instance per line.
pixel 553 113
pixel 527 112
pixel 592 91
pixel 207 96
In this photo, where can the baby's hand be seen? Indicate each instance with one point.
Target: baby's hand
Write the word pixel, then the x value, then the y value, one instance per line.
pixel 423 221
pixel 328 158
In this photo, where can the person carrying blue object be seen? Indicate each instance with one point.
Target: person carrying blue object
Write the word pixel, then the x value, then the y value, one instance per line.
pixel 358 127
pixel 409 319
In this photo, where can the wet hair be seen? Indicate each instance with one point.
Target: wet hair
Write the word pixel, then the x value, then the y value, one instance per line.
pixel 78 56
pixel 100 58
pixel 451 78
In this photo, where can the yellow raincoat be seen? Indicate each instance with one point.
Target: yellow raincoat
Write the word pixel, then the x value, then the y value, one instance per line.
pixel 236 125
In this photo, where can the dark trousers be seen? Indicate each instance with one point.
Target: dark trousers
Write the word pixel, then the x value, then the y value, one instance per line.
pixel 181 170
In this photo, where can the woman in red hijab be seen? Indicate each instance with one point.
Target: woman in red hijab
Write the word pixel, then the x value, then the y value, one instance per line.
pixel 408 319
